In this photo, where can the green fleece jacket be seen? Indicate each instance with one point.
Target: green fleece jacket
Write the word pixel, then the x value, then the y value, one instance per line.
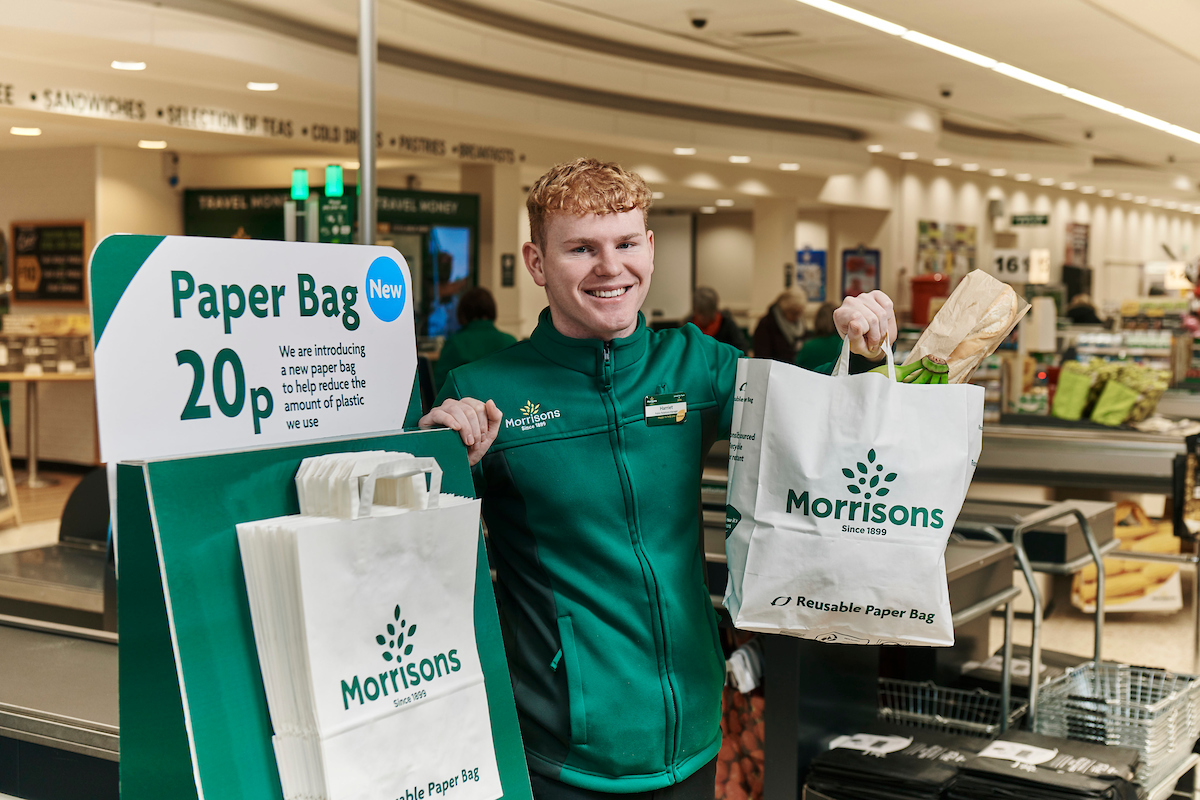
pixel 594 520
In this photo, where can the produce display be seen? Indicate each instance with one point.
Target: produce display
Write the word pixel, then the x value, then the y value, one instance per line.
pixel 929 369
pixel 976 318
pixel 740 761
pixel 1109 393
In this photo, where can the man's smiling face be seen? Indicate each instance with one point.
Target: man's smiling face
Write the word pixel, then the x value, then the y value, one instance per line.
pixel 596 271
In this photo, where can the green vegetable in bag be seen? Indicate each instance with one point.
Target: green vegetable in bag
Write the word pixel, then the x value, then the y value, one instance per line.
pixel 1114 404
pixel 1074 387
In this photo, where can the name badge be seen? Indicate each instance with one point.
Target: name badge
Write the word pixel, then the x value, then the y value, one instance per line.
pixel 666 409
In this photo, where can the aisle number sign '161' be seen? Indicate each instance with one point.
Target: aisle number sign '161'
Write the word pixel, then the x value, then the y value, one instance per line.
pixel 218 344
pixel 1021 266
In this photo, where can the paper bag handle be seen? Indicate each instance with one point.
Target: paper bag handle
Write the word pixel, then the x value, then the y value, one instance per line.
pixel 400 468
pixel 842 367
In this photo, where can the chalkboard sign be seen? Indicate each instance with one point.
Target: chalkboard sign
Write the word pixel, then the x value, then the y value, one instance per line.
pixel 48 261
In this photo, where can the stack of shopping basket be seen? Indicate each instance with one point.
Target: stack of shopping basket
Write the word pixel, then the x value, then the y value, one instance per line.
pixel 1155 711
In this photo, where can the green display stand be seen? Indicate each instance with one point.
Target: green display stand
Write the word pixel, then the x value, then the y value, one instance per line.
pixel 194 720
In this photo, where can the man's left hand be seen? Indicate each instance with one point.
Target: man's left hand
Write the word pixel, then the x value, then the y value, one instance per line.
pixel 867 319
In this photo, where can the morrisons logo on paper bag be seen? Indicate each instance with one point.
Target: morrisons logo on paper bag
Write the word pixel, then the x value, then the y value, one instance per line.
pixel 397 644
pixel 867 481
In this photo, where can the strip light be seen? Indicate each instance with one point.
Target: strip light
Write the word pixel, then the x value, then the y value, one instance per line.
pixel 1016 73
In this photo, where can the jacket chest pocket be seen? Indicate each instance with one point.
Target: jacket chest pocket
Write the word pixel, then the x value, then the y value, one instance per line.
pixel 568 659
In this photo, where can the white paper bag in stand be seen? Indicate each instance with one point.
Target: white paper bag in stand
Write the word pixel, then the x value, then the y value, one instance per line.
pixel 843 491
pixel 386 635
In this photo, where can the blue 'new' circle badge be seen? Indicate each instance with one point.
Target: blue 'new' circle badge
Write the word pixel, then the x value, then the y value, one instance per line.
pixel 385 289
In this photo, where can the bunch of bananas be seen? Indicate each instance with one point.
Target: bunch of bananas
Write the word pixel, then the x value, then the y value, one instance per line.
pixel 929 369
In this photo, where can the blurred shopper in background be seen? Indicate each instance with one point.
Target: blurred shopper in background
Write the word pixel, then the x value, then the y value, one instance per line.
pixel 1082 312
pixel 779 332
pixel 478 336
pixel 823 345
pixel 707 316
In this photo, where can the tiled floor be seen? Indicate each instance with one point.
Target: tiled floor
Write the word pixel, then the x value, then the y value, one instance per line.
pixel 40 510
pixel 1149 640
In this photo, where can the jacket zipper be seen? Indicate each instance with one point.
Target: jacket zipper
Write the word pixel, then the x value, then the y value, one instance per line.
pixel 637 542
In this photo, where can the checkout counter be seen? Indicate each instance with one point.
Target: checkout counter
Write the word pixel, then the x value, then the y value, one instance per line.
pixel 59 728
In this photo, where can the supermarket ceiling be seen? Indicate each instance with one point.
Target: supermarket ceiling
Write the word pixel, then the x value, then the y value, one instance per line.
pixel 775 80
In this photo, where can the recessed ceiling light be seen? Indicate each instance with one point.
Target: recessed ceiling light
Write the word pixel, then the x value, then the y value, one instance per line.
pixel 350 164
pixel 1125 196
pixel 1171 204
pixel 1107 193
pixel 970 167
pixel 997 173
pixel 1088 189
pixel 152 144
pixel 1185 207
pixel 790 166
pixel 1045 181
pixel 1023 176
pixel 908 156
pixel 684 151
pixel 943 162
pixel 708 209
pixel 657 195
pixel 1068 185
pixel 1141 198
pixel 874 148
pixel 739 159
pixel 130 66
pixel 15 131
pixel 262 87
pixel 1156 203
pixel 724 203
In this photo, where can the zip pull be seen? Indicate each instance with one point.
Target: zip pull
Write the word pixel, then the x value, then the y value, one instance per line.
pixel 607 352
pixel 554 663
pixel 608 365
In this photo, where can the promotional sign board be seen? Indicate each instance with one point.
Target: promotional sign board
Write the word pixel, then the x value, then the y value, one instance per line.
pixel 250 343
pixel 48 262
pixel 1030 219
pixel 810 273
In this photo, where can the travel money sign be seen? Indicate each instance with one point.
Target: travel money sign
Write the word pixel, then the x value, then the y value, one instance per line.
pixel 205 344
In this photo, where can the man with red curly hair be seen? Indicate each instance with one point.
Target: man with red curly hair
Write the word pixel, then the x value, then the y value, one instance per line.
pixel 587 443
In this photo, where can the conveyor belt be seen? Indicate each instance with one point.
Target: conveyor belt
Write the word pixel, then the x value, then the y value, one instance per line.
pixel 58 687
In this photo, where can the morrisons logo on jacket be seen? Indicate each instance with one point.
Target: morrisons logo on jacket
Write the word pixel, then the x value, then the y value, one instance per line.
pixel 533 417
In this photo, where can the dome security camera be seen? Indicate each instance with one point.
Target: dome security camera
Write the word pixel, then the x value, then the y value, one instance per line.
pixel 699 19
pixel 947 91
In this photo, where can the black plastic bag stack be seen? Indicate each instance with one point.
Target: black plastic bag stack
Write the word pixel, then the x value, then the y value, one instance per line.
pixel 891 762
pixel 1030 766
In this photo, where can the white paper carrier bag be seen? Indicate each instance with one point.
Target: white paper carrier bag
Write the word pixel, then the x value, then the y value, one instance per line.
pixel 386 699
pixel 843 491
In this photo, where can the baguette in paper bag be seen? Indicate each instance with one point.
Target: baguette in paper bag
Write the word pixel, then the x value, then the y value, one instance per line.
pixel 976 318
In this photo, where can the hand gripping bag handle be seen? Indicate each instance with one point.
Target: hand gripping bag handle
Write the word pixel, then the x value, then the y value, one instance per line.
pixel 842 367
pixel 400 468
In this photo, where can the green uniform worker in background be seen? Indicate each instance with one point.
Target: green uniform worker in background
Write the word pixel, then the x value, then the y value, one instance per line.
pixel 592 500
pixel 477 338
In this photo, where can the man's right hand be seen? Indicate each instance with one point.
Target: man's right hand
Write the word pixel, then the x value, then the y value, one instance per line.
pixel 477 423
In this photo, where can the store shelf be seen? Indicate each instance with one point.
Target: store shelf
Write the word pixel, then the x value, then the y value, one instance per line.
pixel 1130 352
